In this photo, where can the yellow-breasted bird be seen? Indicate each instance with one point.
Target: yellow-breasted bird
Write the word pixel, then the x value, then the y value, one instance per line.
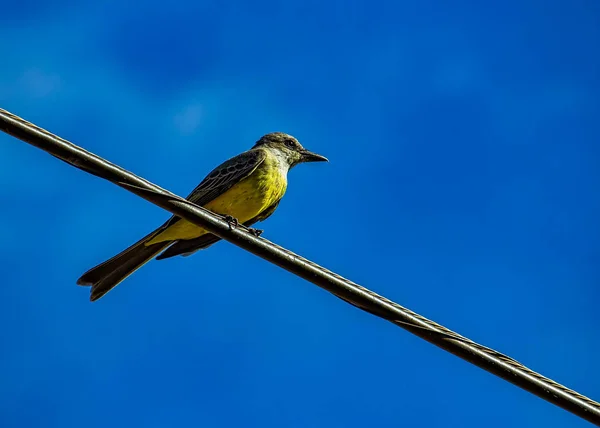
pixel 247 188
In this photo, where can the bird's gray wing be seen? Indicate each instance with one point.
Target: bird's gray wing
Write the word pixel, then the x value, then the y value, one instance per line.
pixel 190 246
pixel 223 177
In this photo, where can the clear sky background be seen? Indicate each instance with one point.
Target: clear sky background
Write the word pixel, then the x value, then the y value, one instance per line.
pixel 464 142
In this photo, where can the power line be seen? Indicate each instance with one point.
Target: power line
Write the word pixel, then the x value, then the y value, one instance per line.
pixel 483 357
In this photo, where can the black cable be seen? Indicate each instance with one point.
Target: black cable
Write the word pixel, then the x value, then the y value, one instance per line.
pixel 483 357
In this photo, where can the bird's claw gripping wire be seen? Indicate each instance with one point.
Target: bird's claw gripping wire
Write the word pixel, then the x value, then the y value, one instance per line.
pixel 232 222
pixel 255 232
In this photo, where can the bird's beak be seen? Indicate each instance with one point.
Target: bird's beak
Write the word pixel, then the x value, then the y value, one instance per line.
pixel 312 157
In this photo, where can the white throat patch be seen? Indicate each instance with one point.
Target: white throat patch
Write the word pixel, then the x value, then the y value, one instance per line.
pixel 282 162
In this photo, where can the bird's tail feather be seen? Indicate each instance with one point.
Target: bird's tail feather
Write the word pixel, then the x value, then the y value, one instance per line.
pixel 109 274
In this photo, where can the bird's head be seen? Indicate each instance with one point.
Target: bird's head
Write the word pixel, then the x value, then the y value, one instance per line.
pixel 288 148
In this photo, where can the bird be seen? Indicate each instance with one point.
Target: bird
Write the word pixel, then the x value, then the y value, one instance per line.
pixel 245 189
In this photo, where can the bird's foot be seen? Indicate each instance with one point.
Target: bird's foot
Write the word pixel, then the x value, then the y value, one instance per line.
pixel 232 222
pixel 255 232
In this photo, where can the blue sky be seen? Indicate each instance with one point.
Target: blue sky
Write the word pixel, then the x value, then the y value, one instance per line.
pixel 463 184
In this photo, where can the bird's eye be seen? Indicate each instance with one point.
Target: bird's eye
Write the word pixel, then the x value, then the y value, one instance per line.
pixel 290 143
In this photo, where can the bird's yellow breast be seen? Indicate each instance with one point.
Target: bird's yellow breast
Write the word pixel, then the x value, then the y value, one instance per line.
pixel 244 200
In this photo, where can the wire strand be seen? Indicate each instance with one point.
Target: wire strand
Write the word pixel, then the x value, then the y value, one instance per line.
pixel 486 358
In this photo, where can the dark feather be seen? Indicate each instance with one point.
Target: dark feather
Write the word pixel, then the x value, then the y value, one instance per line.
pixel 189 246
pixel 107 275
